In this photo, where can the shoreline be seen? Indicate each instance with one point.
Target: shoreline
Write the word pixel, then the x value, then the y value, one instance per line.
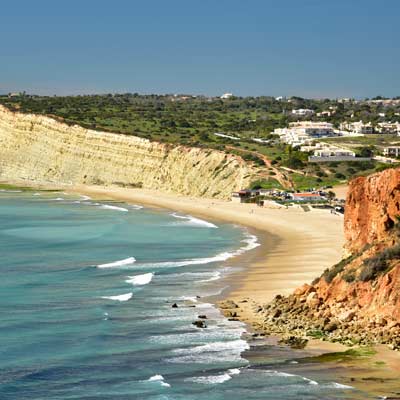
pixel 293 250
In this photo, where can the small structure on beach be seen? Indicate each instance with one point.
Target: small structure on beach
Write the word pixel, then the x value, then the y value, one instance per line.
pixel 306 196
pixel 243 196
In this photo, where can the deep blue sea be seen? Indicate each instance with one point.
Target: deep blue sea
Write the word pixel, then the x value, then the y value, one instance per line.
pixel 86 295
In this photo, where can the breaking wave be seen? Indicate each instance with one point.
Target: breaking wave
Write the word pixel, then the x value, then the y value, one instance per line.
pixel 109 207
pixel 160 380
pixel 140 279
pixel 193 221
pixel 121 297
pixel 119 263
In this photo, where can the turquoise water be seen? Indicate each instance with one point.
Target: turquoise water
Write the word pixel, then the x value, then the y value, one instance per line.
pixel 86 294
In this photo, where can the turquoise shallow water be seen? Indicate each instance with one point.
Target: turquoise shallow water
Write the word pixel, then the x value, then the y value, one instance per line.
pixel 86 291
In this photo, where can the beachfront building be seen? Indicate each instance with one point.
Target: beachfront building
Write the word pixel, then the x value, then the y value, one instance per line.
pixel 302 112
pixel 306 196
pixel 357 127
pixel 392 151
pixel 304 132
pixel 243 196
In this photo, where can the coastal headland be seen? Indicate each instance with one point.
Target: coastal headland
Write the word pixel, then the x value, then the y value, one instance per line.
pixel 297 243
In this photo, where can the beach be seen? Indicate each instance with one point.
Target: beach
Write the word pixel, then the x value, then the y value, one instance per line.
pixel 297 245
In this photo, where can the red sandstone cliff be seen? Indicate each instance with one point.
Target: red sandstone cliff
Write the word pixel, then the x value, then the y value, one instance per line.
pixel 372 207
pixel 357 300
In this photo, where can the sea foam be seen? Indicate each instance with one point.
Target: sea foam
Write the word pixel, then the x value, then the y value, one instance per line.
pixel 121 297
pixel 193 221
pixel 160 380
pixel 119 263
pixel 143 279
pixel 109 207
pixel 211 379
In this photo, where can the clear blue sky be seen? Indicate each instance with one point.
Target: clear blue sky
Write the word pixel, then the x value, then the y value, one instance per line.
pixel 310 48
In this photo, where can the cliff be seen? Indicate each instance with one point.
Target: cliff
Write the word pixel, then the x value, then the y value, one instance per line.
pixel 358 299
pixel 40 149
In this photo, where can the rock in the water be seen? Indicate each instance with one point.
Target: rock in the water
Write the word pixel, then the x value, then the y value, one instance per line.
pixel 174 305
pixel 199 324
pixel 202 316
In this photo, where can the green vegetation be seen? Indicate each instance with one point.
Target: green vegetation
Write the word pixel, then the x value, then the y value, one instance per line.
pixel 316 334
pixel 343 356
pixel 195 121
pixel 330 273
pixel 379 264
pixel 266 184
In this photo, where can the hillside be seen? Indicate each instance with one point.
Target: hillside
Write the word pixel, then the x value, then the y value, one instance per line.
pixel 357 300
pixel 40 149
pixel 240 126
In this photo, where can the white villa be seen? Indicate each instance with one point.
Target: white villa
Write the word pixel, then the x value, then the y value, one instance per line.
pixel 334 152
pixel 388 127
pixel 304 132
pixel 357 127
pixel 302 112
pixel 393 151
pixel 226 96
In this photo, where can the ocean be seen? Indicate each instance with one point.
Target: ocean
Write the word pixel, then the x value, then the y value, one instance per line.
pixel 98 300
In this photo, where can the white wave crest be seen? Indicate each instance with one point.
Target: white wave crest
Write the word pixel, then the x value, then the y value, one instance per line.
pixel 250 240
pixel 119 263
pixel 84 197
pixel 215 276
pixel 193 221
pixel 210 380
pixel 143 279
pixel 234 371
pixel 135 206
pixel 10 191
pixel 233 345
pixel 160 380
pixel 121 297
pixel 340 386
pixel 311 382
pixel 109 207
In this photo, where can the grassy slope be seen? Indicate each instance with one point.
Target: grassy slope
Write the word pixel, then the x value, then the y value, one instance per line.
pixel 195 120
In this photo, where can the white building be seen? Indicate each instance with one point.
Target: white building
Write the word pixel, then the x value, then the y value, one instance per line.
pixel 304 132
pixel 226 96
pixel 302 112
pixel 334 152
pixel 393 151
pixel 357 127
pixel 388 127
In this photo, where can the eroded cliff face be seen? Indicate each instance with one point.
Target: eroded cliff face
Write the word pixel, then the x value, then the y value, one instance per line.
pixel 372 208
pixel 40 149
pixel 357 300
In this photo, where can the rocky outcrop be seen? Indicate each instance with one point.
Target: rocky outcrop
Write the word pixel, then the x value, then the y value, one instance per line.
pixel 357 301
pixel 372 208
pixel 40 149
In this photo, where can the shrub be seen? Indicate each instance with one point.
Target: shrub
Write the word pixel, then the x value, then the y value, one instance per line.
pixel 379 263
pixel 330 273
pixel 349 276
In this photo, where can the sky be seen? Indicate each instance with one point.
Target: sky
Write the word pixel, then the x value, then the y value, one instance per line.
pixel 307 48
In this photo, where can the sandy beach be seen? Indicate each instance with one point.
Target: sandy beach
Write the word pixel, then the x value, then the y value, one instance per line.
pixel 300 244
pixel 296 247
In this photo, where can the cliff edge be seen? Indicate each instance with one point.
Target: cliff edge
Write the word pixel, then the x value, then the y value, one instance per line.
pixel 357 301
pixel 36 148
